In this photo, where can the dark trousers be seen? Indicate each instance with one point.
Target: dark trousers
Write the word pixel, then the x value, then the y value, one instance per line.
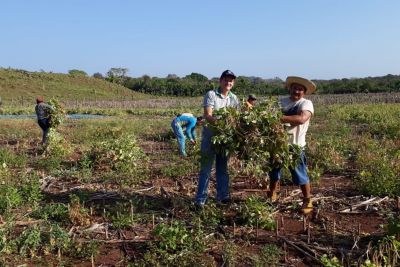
pixel 45 125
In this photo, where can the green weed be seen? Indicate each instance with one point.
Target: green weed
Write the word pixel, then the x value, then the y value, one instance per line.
pixel 53 211
pixel 330 262
pixel 256 212
pixel 10 198
pixel 29 242
pixel 269 256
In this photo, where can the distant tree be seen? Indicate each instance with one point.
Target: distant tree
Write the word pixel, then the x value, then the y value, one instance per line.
pixel 172 76
pixel 117 75
pixel 75 72
pixel 197 77
pixel 98 75
pixel 146 78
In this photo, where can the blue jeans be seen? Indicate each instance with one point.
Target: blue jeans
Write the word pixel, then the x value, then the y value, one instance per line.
pixel 178 131
pixel 208 155
pixel 299 174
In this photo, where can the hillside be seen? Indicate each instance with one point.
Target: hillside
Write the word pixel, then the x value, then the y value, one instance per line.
pixel 21 85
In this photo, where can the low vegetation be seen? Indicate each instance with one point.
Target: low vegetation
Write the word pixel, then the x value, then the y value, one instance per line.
pixel 117 191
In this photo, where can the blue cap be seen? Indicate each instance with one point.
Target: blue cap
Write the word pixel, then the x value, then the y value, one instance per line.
pixel 228 73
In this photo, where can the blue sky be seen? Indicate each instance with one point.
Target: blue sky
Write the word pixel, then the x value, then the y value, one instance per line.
pixel 317 39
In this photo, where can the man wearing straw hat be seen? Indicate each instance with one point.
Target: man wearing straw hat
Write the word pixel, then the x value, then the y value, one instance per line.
pixel 297 112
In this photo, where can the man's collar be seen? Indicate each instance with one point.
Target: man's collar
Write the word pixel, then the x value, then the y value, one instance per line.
pixel 218 92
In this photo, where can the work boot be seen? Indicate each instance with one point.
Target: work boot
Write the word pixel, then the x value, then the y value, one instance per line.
pixel 307 206
pixel 272 196
pixel 196 207
pixel 225 203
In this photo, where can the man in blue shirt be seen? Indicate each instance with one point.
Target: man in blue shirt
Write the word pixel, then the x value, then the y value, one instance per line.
pixel 188 121
pixel 215 100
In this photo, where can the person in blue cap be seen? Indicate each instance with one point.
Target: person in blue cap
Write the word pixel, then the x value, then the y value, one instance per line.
pixel 189 122
pixel 215 100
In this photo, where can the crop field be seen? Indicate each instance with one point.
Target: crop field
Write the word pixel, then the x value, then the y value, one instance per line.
pixel 113 191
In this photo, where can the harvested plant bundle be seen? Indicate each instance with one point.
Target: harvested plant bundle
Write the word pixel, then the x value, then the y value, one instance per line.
pixel 57 114
pixel 255 136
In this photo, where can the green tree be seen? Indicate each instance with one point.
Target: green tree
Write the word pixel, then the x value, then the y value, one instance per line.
pixel 197 77
pixel 76 72
pixel 117 75
pixel 98 75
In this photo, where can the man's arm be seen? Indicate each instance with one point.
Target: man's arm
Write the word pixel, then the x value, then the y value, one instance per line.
pixel 208 114
pixel 298 119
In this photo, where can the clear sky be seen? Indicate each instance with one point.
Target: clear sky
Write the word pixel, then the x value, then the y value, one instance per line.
pixel 318 39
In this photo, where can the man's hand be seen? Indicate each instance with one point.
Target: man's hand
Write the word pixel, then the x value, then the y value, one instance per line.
pixel 193 142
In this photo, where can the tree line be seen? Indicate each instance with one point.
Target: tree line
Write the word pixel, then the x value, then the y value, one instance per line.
pixel 196 84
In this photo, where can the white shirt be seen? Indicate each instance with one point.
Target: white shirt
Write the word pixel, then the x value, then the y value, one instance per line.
pixel 297 134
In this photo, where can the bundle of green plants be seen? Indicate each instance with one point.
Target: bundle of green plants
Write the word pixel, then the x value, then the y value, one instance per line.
pixel 57 114
pixel 255 136
pixel 57 146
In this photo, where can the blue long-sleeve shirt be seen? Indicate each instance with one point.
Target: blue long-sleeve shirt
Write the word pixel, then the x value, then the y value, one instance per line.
pixel 188 121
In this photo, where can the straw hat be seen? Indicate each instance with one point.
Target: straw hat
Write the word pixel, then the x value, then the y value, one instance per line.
pixel 309 85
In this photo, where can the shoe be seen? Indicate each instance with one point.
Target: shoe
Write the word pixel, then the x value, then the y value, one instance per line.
pixel 307 206
pixel 224 203
pixel 197 207
pixel 272 196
